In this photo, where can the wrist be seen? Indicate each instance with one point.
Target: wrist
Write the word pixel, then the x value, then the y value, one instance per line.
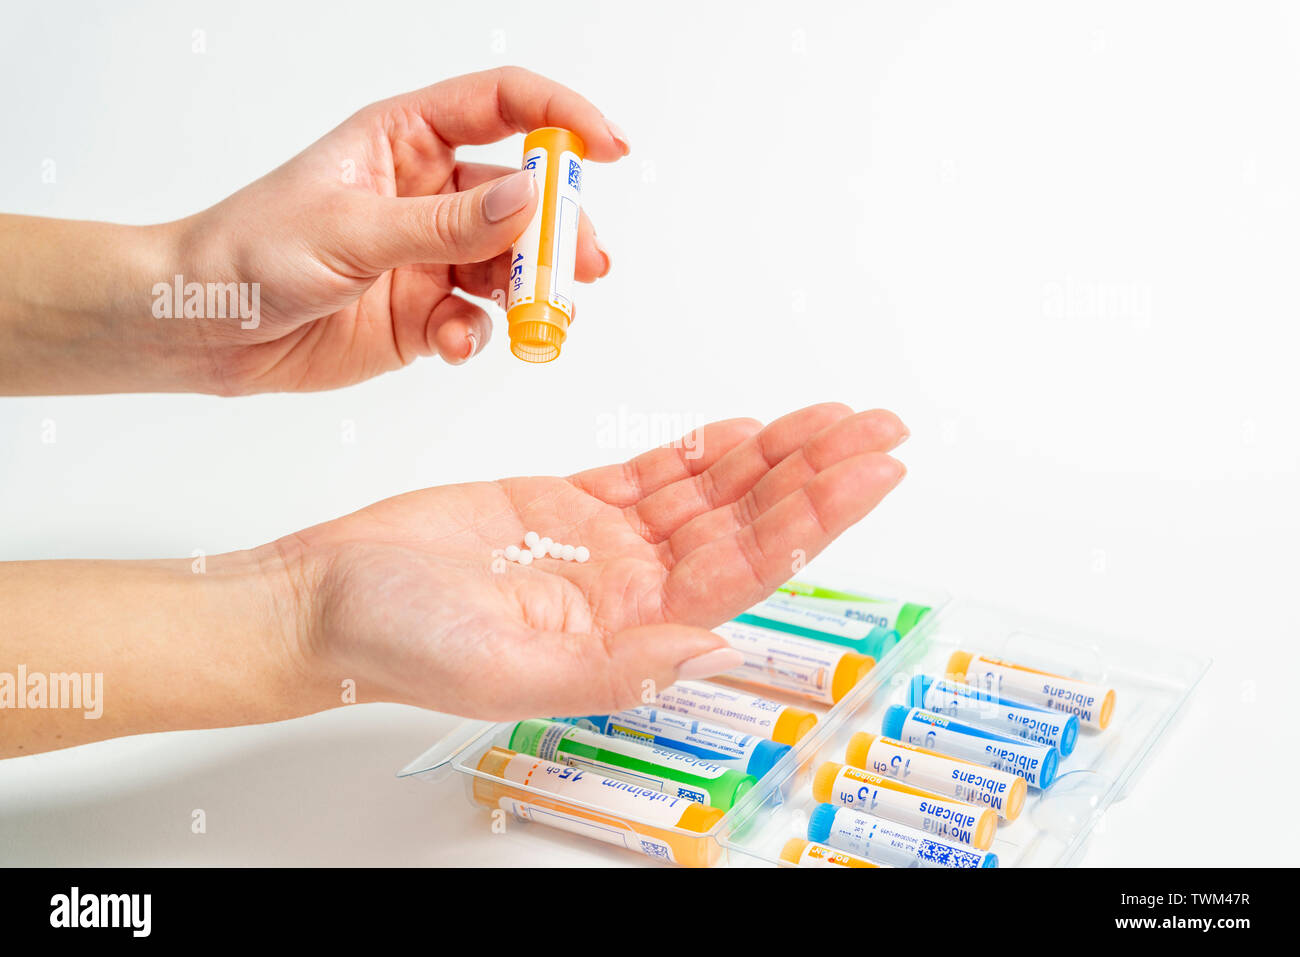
pixel 313 586
pixel 165 345
pixel 279 583
pixel 77 309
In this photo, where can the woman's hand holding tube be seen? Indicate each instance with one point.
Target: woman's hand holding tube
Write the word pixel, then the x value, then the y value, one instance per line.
pixel 367 250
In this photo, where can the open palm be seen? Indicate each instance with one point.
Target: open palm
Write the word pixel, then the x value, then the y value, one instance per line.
pixel 414 602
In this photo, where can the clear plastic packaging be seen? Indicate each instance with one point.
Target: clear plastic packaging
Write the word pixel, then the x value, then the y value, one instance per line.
pixel 1151 684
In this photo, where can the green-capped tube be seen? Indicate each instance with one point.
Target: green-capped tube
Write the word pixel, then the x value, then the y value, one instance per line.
pixel 899 616
pixel 661 769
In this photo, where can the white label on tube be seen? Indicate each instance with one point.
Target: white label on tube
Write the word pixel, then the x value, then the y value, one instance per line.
pixel 611 794
pixel 937 733
pixel 600 831
pixel 802 666
pixel 963 780
pixel 896 844
pixel 731 708
pixel 872 612
pixel 522 280
pixel 1005 680
pixel 790 610
pixel 568 202
pixel 713 743
pixel 971 704
pixel 952 820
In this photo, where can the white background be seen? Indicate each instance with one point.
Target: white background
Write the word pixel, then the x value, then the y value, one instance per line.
pixel 1060 240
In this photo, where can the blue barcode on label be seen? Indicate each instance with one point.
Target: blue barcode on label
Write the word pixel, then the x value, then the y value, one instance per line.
pixel 946 855
pixel 653 849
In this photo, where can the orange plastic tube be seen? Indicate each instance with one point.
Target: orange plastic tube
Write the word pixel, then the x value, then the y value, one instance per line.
pixel 539 295
pixel 807 854
pixel 510 766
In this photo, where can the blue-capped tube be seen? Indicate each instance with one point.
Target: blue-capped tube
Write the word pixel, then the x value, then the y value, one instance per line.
pixel 952 699
pixel 723 746
pixel 885 842
pixel 1036 763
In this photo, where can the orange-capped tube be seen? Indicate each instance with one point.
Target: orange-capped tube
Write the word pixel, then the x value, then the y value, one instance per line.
pixel 966 781
pixel 610 794
pixel 792 664
pixel 807 854
pixel 1093 704
pixel 782 723
pixel 539 297
pixel 891 799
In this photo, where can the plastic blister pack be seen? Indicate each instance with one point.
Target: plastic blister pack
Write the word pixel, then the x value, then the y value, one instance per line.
pixel 1151 685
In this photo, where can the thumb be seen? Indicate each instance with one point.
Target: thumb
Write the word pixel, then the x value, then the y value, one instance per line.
pixel 466 227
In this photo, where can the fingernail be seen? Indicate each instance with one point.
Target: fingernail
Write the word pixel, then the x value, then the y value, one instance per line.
pixel 710 663
pixel 471 345
pixel 905 436
pixel 619 136
pixel 600 248
pixel 508 196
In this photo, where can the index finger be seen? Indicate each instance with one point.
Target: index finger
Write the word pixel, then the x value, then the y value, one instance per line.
pixel 485 107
